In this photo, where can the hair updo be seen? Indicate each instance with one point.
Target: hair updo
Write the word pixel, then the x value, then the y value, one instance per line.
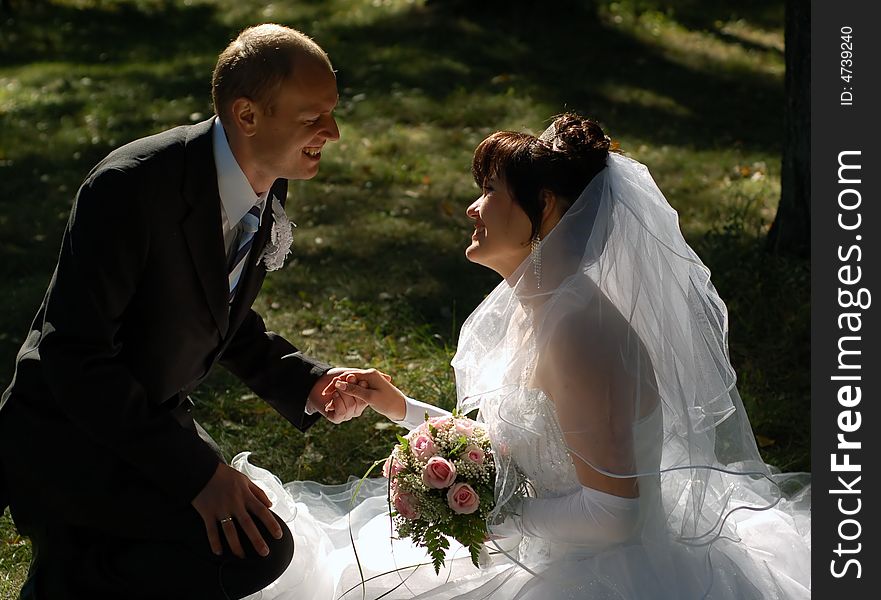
pixel 563 164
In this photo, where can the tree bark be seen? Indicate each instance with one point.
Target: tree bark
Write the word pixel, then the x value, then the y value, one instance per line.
pixel 791 231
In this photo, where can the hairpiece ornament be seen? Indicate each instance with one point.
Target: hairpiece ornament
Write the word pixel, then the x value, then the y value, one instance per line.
pixel 550 135
pixel 280 238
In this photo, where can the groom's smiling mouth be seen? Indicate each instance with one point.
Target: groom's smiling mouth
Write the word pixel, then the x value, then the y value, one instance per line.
pixel 312 151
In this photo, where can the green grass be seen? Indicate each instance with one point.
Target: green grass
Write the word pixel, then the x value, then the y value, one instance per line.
pixel 693 90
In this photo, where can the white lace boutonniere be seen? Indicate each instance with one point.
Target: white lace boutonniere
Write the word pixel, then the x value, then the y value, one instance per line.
pixel 280 238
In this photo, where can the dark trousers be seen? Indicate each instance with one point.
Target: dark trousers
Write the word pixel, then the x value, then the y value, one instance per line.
pixel 99 531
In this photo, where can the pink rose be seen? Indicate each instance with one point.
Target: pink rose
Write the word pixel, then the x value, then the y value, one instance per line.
pixel 422 447
pixel 438 473
pixel 405 505
pixel 419 430
pixel 439 421
pixel 391 467
pixel 463 499
pixel 474 453
pixel 465 427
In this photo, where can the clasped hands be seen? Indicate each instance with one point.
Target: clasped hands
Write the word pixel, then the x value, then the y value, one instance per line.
pixel 349 391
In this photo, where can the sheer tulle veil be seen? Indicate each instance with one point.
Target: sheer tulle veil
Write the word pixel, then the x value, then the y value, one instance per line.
pixel 621 290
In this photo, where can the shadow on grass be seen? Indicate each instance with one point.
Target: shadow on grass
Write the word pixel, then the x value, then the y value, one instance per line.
pixel 109 32
pixel 703 16
pixel 564 59
pixel 439 285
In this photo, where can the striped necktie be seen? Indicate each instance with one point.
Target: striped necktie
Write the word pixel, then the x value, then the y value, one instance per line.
pixel 249 225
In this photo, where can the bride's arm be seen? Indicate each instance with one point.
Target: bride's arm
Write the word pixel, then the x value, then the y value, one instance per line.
pixel 372 387
pixel 596 405
pixel 598 390
pixel 605 509
pixel 416 411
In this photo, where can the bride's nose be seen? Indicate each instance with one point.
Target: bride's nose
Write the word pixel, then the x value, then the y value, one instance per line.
pixel 472 211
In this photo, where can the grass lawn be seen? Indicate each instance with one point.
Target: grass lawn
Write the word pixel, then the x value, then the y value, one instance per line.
pixel 378 278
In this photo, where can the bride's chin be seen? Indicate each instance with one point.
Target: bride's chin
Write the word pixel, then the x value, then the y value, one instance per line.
pixel 473 256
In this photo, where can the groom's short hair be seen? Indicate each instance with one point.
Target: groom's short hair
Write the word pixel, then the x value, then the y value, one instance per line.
pixel 257 62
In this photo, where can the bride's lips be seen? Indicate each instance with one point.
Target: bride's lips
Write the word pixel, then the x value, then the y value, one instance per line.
pixel 478 231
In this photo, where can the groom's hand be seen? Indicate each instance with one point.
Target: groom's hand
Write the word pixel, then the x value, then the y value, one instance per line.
pixel 336 411
pixel 373 387
pixel 230 498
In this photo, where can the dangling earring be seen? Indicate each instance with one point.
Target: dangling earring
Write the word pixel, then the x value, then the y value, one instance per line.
pixel 536 259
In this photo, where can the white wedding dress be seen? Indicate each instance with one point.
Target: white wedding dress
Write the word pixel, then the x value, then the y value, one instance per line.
pixel 622 300
pixel 772 559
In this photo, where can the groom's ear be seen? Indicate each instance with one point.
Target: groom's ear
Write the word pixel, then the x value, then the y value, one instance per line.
pixel 244 115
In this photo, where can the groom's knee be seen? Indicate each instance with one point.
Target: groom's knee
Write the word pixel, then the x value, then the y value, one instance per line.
pixel 281 551
pixel 243 577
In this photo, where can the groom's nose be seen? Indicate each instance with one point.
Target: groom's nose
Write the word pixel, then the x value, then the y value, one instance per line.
pixel 332 130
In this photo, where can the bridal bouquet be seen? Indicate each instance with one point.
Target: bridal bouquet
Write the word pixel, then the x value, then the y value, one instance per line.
pixel 441 478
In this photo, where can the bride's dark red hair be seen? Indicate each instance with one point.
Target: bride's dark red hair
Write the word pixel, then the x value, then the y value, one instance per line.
pixel 528 165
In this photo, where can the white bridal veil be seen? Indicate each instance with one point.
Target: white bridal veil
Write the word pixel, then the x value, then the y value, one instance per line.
pixel 623 333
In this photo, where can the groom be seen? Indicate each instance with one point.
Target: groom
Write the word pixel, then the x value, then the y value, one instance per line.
pixel 122 494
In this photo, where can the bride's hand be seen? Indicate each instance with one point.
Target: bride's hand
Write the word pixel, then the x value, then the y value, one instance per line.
pixel 374 388
pixel 334 410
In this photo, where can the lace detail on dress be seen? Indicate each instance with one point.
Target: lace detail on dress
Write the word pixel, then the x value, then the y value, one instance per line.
pixel 540 451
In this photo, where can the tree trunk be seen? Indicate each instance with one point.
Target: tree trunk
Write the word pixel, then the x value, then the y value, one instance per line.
pixel 791 230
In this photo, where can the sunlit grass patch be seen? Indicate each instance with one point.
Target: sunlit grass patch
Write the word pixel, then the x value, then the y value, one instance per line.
pixel 15 554
pixel 730 46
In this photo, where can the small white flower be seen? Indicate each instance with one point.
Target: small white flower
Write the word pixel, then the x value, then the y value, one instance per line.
pixel 280 238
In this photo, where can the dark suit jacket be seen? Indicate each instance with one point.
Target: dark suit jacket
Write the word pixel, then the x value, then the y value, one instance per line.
pixel 137 313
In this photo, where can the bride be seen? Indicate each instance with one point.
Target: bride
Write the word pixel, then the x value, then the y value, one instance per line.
pixel 599 366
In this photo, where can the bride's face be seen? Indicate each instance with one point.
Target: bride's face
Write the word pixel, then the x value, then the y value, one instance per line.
pixel 501 229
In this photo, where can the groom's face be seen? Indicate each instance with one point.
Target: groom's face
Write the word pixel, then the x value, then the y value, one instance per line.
pixel 294 128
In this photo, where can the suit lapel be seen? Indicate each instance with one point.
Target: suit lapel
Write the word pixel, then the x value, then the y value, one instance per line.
pixel 202 226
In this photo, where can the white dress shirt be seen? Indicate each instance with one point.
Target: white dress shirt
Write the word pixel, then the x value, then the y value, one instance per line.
pixel 236 194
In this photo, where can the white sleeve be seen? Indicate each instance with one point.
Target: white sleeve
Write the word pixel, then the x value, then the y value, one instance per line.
pixel 586 516
pixel 416 413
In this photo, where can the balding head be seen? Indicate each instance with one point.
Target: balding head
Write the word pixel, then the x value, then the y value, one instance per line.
pixel 255 64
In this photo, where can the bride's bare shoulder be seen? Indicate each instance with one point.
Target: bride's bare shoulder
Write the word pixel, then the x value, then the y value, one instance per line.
pixel 591 345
